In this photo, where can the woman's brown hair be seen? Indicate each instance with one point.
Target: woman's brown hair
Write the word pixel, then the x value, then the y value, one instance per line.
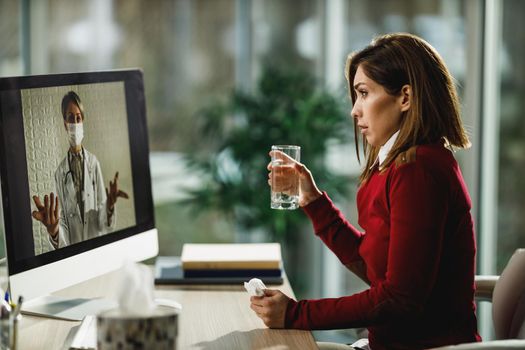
pixel 395 60
pixel 71 96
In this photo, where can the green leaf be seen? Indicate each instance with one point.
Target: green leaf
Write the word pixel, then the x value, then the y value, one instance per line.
pixel 287 107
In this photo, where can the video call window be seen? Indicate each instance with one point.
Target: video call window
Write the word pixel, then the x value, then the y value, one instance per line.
pixel 78 154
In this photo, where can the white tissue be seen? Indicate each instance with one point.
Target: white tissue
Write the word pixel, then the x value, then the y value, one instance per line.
pixel 255 287
pixel 135 292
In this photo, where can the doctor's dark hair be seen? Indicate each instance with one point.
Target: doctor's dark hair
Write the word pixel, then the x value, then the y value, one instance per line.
pixel 396 60
pixel 71 96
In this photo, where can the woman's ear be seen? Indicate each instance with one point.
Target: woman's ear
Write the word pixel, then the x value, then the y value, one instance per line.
pixel 405 98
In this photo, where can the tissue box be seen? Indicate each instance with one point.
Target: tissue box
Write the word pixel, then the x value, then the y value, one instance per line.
pixel 118 330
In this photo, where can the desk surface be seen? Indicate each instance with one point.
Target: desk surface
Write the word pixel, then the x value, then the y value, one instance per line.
pixel 213 317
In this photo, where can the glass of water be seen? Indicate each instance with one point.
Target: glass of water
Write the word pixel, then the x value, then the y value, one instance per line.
pixel 285 179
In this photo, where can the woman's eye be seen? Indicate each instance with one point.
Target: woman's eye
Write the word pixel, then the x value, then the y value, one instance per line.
pixel 363 93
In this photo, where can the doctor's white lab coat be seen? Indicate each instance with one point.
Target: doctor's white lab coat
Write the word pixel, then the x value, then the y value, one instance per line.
pixel 71 229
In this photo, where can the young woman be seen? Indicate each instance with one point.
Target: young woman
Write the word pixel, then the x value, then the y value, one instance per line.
pixel 417 248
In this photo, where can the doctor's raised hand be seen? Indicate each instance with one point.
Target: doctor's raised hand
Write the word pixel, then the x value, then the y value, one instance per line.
pixel 113 194
pixel 282 175
pixel 47 213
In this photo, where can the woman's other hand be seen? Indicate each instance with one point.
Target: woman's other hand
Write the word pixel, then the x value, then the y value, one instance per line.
pixel 271 308
pixel 284 173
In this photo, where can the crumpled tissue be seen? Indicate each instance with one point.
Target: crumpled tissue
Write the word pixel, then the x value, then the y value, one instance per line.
pixel 255 287
pixel 135 291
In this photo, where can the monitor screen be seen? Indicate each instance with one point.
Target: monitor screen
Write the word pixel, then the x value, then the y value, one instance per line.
pixel 76 186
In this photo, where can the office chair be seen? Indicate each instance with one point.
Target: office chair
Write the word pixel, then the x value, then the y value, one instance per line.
pixel 507 294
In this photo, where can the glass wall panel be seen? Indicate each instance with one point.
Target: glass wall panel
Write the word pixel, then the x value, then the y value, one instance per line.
pixel 286 33
pixel 511 182
pixel 11 29
pixel 11 63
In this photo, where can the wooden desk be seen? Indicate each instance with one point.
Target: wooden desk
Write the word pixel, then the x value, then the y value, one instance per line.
pixel 213 317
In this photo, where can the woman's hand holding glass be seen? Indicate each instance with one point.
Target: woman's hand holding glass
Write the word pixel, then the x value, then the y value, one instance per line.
pixel 283 178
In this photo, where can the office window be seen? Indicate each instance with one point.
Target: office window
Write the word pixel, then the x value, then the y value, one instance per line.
pixel 286 33
pixel 10 27
pixel 10 52
pixel 182 46
pixel 186 49
pixel 511 182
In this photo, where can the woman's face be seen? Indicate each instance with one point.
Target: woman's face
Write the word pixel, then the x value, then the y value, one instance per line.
pixel 73 114
pixel 378 113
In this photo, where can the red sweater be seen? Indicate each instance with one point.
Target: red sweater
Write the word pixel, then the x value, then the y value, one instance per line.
pixel 417 250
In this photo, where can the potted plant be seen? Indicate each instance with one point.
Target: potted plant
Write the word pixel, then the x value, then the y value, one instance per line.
pixel 287 107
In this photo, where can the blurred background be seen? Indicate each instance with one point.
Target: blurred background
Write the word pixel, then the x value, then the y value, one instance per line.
pixel 214 69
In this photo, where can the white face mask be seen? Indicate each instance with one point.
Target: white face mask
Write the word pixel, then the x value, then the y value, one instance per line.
pixel 76 133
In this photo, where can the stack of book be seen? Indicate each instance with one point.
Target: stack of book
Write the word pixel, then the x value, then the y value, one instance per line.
pixel 226 263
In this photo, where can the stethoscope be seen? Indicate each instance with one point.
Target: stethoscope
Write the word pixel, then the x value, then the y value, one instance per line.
pixel 70 172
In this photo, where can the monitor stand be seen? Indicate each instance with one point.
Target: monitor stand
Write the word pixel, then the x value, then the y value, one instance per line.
pixel 75 309
pixel 69 309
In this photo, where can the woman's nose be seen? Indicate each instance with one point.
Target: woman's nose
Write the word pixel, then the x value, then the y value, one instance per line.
pixel 354 113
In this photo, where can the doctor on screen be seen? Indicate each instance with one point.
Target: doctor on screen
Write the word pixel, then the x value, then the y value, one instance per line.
pixel 83 208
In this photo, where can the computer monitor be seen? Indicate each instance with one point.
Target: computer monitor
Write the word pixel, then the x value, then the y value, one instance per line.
pixel 73 207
